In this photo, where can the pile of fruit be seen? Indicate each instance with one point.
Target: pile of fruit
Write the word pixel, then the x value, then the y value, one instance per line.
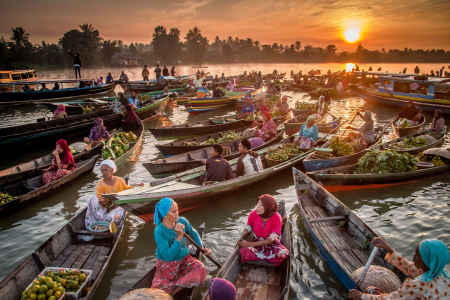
pixel 88 109
pixel 144 97
pixel 230 136
pixel 403 123
pixel 388 161
pixel 331 91
pixel 277 156
pixel 190 144
pixel 4 197
pixel 434 159
pixel 304 105
pixel 117 145
pixel 273 98
pixel 53 285
pixel 340 146
pixel 411 142
pixel 291 151
pixel 275 113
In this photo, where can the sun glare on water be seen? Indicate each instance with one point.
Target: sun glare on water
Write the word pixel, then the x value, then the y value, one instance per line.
pixel 351 35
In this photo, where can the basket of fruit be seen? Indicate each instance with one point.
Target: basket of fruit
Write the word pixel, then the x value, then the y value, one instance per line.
pixel 275 158
pixel 5 197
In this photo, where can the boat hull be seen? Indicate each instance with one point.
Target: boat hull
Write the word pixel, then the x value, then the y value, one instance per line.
pixel 153 110
pixel 120 161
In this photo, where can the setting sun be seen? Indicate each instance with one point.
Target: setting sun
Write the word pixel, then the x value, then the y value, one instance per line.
pixel 351 35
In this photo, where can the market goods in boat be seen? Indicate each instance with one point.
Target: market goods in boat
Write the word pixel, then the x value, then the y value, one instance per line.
pixel 340 146
pixel 388 161
pixel 4 197
pixel 117 145
pixel 277 156
pixel 403 123
pixel 331 91
pixel 412 142
pixel 305 105
pixel 225 137
pixel 434 159
pixel 88 109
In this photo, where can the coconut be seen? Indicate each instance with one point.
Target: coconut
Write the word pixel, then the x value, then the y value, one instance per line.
pixel 146 294
pixel 379 277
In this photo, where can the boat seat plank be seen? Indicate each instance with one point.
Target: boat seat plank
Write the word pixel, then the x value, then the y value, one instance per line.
pixel 73 256
pixel 83 256
pixel 63 255
pixel 103 254
pixel 326 219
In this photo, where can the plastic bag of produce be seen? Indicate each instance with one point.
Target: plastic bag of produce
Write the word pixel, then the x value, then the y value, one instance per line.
pixel 249 133
pixel 79 147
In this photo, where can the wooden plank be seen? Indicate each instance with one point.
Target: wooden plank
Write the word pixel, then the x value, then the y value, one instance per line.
pixel 99 262
pixel 362 256
pixel 246 291
pixel 63 256
pixel 73 256
pixel 341 263
pixel 89 264
pixel 349 260
pixel 333 239
pixel 258 274
pixel 349 238
pixel 273 292
pixel 275 276
pixel 325 240
pixel 79 262
pixel 261 293
pixel 326 219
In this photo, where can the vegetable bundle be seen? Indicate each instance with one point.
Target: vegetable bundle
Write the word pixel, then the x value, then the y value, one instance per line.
pixel 412 142
pixel 88 109
pixel 117 145
pixel 304 105
pixel 383 162
pixel 230 136
pixel 320 91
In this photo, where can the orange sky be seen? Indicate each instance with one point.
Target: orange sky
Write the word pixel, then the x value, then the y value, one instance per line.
pixel 390 24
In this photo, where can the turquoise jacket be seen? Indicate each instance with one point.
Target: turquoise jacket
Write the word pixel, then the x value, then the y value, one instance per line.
pixel 312 133
pixel 168 248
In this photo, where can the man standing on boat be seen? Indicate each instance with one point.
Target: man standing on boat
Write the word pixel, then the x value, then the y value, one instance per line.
pixel 157 71
pixel 416 70
pixel 198 82
pixel 166 71
pixel 145 73
pixel 76 64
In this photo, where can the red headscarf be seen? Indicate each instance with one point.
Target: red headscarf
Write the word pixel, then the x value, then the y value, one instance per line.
pixel 66 156
pixel 270 206
pixel 267 115
pixel 409 112
pixel 60 108
pixel 132 117
pixel 264 108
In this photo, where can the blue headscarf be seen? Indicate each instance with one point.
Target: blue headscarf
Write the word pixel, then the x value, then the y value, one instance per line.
pixel 161 210
pixel 435 255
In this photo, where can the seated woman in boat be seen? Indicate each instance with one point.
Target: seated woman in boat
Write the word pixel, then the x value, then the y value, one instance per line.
pixel 43 88
pixel 429 279
pixel 175 268
pixel 221 289
pixel 438 122
pixel 131 122
pixel 266 223
pixel 268 130
pixel 272 90
pixel 283 106
pixel 62 163
pixel 410 113
pixel 365 132
pixel 56 87
pixel 249 161
pixel 98 133
pixel 248 108
pixel 308 131
pixel 100 208
pixel 217 93
pixel 60 112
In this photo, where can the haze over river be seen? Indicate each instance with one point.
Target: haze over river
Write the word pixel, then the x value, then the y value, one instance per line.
pixel 405 214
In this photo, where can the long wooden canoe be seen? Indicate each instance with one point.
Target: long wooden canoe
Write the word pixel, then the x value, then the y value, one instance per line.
pixel 193 159
pixel 33 189
pixel 74 107
pixel 293 125
pixel 192 129
pixel 65 250
pixel 152 108
pixel 187 293
pixel 271 283
pixel 342 238
pixel 188 188
pixel 39 132
pixel 401 132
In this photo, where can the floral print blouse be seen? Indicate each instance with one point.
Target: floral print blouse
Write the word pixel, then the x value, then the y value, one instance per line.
pixel 438 288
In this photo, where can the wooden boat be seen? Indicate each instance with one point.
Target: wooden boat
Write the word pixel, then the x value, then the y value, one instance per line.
pixel 32 189
pixel 17 75
pixel 187 293
pixel 342 238
pixel 190 190
pixel 75 107
pixel 121 160
pixel 314 164
pixel 19 97
pixel 402 132
pixel 152 108
pixel 53 130
pixel 316 95
pixel 193 159
pixel 271 283
pixel 294 124
pixel 297 112
pixel 64 249
pixel 438 136
pixel 192 129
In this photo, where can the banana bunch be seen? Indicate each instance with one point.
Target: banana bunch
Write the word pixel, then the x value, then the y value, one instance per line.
pixel 88 109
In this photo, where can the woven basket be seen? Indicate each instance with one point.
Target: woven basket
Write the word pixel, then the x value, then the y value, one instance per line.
pixel 274 162
pixel 379 277
pixel 438 151
pixel 146 294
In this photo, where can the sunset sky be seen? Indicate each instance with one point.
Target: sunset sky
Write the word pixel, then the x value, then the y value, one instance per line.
pixel 390 24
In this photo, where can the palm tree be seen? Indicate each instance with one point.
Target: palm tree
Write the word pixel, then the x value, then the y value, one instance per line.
pixel 19 36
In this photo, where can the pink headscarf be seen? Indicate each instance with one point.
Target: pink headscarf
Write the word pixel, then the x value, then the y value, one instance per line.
pixel 60 108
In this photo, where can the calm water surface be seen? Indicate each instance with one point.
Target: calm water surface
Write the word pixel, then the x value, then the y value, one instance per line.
pixel 405 214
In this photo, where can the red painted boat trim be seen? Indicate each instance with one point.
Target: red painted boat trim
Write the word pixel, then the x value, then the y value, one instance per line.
pixel 341 188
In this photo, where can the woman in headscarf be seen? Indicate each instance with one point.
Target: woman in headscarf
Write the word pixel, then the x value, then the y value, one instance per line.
pixel 100 208
pixel 324 103
pixel 248 108
pixel 221 289
pixel 283 106
pixel 60 112
pixel 429 277
pixel 438 122
pixel 409 112
pixel 175 268
pixel 269 129
pixel 98 133
pixel 62 163
pixel 308 131
pixel 365 132
pixel 266 223
pixel 131 122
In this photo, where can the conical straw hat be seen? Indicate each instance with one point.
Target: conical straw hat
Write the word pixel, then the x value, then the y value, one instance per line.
pixel 438 151
pixel 379 277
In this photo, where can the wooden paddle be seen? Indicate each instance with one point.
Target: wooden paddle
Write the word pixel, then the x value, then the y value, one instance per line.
pixel 366 268
pixel 350 124
pixel 201 250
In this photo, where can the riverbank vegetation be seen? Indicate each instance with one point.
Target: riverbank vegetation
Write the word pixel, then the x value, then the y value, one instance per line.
pixel 167 46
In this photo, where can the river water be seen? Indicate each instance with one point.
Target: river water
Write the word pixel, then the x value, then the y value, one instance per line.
pixel 405 214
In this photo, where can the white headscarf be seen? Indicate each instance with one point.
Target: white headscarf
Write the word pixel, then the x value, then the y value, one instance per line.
pixel 110 164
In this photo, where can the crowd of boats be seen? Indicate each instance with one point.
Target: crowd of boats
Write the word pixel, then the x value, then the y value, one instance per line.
pixel 342 238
